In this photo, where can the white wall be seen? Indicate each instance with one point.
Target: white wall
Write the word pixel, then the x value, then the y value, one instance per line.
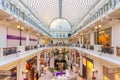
pixel 33 36
pixel 92 38
pixel 4 42
pixel 3 36
pixel 15 32
pixel 116 35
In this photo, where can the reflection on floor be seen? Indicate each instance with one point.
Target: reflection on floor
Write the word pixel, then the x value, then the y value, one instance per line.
pixel 48 76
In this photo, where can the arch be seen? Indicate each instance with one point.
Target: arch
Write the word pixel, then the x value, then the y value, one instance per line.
pixel 60 24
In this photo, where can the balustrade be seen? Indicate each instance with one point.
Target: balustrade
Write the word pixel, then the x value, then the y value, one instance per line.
pixel 107 49
pixel 9 51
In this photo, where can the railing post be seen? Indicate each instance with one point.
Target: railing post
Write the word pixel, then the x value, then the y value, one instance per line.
pixel 20 49
pixel 97 48
pixel 1 54
pixel 115 51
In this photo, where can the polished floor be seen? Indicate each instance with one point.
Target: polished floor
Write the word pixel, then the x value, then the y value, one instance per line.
pixel 72 74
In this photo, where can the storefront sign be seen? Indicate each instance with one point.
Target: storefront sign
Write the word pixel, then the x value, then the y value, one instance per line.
pixel 113 70
pixel 5 72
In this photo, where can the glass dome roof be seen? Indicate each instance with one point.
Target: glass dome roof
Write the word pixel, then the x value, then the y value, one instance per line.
pixel 60 24
pixel 71 10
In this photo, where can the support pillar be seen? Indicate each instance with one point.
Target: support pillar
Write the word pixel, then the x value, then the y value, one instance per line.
pixel 92 38
pixel 27 39
pixel 21 50
pixel 21 70
pixel 3 35
pixel 1 54
pixel 98 69
pixel 81 65
pixel 82 39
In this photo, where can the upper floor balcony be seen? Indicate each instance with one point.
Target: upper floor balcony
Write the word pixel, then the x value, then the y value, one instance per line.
pixel 11 54
pixel 108 53
pixel 104 52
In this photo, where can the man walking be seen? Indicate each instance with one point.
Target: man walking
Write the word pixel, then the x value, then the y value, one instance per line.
pixel 37 76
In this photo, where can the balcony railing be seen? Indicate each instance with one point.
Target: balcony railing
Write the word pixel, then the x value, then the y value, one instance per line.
pixel 107 49
pixel 102 49
pixel 27 48
pixel 9 51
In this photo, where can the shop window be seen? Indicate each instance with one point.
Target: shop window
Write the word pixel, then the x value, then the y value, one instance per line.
pixel 87 39
pixel 104 37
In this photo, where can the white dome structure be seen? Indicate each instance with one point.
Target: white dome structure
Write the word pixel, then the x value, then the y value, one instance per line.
pixel 60 24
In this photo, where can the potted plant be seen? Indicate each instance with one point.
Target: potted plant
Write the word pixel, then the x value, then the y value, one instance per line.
pixel 52 70
pixel 93 78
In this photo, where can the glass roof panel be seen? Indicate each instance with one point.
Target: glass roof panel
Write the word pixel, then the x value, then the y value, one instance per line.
pixel 48 10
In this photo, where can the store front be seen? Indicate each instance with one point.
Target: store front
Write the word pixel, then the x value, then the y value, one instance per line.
pixel 104 37
pixel 88 67
pixel 9 74
pixel 31 66
pixel 87 39
pixel 111 73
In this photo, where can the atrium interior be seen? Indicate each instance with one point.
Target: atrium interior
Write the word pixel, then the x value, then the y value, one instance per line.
pixel 59 40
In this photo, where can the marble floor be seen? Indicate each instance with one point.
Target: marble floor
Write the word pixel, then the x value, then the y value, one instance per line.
pixel 48 76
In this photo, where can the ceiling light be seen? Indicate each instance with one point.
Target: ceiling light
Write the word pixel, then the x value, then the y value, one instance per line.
pixel 22 28
pixel 18 26
pixel 96 27
pixel 99 26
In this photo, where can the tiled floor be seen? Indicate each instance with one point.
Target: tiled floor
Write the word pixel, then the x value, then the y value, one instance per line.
pixel 48 76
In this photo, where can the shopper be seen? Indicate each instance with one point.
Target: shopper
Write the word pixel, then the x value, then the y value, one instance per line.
pixel 37 76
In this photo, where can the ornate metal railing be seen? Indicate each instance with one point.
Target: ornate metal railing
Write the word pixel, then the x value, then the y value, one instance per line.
pixel 9 51
pixel 27 48
pixel 35 47
pixel 107 49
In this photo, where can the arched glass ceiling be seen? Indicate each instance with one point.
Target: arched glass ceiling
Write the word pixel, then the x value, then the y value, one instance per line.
pixel 48 10
pixel 60 24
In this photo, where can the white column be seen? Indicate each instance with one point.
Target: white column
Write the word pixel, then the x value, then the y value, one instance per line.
pixel 27 38
pixel 40 41
pixel 1 54
pixel 82 39
pixel 115 37
pixel 38 62
pixel 45 56
pixel 98 66
pixel 21 67
pixel 3 34
pixel 21 50
pixel 81 66
pixel 79 39
pixel 92 38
